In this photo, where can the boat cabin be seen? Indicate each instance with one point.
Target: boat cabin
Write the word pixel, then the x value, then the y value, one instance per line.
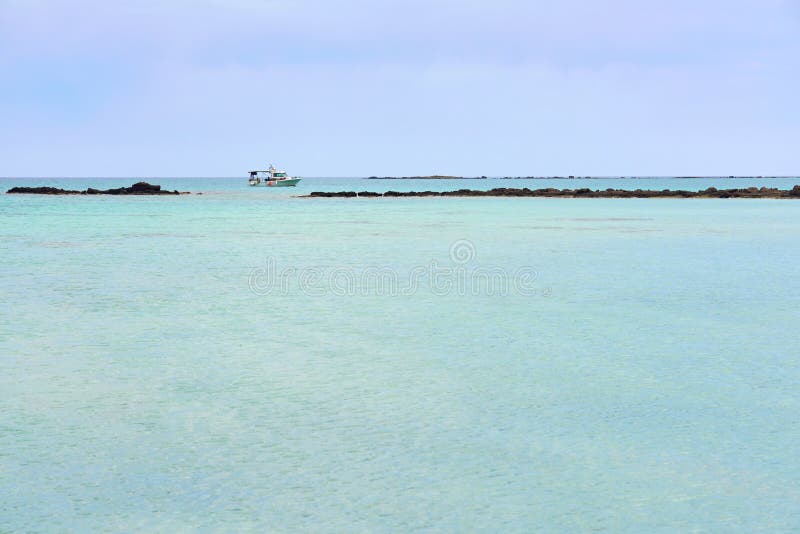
pixel 272 173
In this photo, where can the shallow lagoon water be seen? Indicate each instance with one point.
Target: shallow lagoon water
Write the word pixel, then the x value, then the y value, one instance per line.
pixel 646 380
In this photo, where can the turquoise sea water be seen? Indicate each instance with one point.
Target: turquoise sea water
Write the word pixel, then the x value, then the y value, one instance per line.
pixel 155 376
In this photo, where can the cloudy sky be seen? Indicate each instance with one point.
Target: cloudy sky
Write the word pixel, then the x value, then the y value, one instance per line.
pixel 356 87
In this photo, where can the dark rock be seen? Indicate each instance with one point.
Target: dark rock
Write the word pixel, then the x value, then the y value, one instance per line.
pixel 144 187
pixel 334 194
pixel 42 191
pixel 139 188
pixel 711 192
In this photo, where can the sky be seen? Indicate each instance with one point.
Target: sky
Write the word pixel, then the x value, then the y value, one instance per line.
pixel 359 88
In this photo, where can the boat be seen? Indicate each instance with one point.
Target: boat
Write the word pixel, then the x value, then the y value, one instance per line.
pixel 272 177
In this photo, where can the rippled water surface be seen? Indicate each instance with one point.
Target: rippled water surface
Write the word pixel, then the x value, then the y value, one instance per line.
pixel 222 362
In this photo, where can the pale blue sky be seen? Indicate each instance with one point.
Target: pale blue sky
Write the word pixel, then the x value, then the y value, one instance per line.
pixel 353 88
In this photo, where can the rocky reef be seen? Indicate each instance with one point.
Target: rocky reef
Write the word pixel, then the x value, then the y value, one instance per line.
pixel 711 192
pixel 432 177
pixel 139 188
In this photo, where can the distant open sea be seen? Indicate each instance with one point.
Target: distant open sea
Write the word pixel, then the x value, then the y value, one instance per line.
pixel 244 360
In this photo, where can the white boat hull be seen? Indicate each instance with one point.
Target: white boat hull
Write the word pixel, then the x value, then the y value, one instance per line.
pixel 291 182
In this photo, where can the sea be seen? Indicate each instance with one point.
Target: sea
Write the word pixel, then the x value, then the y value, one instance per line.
pixel 246 360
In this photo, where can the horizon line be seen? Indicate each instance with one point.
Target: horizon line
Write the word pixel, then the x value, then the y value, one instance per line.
pixel 425 177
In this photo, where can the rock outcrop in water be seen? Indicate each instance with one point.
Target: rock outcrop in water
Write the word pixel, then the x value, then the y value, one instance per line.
pixel 139 188
pixel 711 192
pixel 432 177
